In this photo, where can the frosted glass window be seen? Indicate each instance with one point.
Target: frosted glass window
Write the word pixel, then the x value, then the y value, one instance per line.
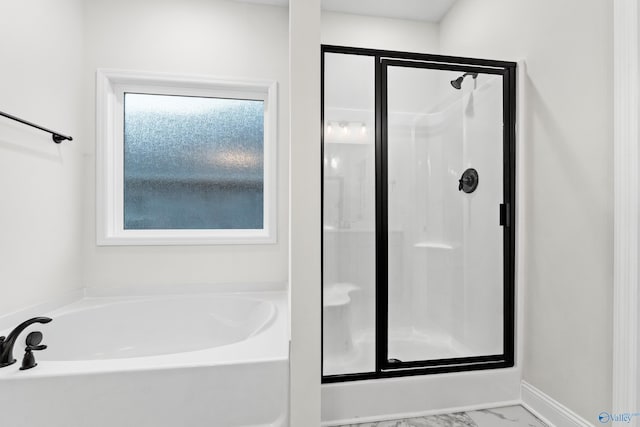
pixel 193 162
pixel 185 159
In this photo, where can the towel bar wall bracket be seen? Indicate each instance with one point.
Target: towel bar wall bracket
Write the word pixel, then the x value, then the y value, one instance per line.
pixel 56 136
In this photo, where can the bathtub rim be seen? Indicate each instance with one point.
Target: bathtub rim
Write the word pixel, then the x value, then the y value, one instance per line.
pixel 12 318
pixel 271 342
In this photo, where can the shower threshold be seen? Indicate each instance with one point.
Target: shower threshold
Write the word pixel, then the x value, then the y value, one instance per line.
pixel 403 345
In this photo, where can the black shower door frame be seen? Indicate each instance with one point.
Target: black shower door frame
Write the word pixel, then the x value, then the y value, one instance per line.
pixel 384 59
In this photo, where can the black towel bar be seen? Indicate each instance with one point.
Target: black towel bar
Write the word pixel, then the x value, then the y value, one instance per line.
pixel 56 136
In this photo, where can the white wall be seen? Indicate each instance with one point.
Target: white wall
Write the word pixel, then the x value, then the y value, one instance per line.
pixel 216 38
pixel 40 182
pixel 345 29
pixel 567 148
pixel 304 205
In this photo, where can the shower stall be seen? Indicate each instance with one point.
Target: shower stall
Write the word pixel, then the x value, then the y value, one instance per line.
pixel 418 214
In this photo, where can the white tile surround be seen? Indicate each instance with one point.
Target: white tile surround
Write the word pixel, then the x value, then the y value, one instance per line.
pixel 508 416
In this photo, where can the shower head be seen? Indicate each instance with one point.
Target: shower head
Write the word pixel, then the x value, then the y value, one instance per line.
pixel 457 83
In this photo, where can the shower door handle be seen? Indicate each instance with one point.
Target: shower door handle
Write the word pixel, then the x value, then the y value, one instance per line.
pixel 505 214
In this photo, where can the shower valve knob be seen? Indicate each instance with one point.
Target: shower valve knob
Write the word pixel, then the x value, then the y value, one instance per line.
pixel 469 181
pixel 461 182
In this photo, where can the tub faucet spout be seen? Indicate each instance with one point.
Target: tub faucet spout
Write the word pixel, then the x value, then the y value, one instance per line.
pixel 6 344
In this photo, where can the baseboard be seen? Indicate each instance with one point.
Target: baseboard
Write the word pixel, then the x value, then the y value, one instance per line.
pixel 550 411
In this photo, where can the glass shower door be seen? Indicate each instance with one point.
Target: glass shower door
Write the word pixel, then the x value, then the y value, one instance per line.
pixel 443 199
pixel 418 236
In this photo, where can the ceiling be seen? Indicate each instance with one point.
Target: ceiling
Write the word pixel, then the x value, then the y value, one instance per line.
pixel 421 10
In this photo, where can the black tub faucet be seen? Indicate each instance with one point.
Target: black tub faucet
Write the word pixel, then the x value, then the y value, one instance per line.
pixel 6 344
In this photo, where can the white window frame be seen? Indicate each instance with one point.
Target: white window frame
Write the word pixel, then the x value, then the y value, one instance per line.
pixel 111 85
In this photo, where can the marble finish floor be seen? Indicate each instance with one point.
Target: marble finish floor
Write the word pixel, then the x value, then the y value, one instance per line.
pixel 508 416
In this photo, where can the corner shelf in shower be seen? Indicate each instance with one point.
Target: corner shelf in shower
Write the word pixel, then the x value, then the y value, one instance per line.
pixel 347 230
pixel 348 142
pixel 338 294
pixel 433 245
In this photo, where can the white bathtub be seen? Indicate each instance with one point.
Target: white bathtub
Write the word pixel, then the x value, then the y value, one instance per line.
pixel 214 360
